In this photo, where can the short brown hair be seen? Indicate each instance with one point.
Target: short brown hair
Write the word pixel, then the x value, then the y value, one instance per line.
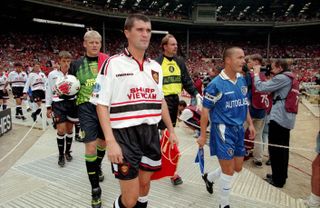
pixel 16 64
pixel 165 39
pixel 281 63
pixel 65 54
pixel 227 52
pixel 256 57
pixel 133 17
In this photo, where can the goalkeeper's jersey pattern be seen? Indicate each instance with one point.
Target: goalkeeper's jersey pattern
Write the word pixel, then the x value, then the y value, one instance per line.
pixel 86 70
pixel 86 74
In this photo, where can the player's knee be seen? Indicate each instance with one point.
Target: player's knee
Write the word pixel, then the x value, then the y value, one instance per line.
pixel 61 132
pixel 91 148
pixel 130 201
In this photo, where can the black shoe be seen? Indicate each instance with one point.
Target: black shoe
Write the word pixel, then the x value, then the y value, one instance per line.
pixel 177 180
pixel 269 175
pixel 68 156
pixel 18 117
pixel 268 162
pixel 271 182
pixel 100 174
pixel 228 206
pixel 34 116
pixel 78 138
pixel 257 163
pixel 61 160
pixel 23 118
pixel 209 185
pixel 96 198
pixel 54 125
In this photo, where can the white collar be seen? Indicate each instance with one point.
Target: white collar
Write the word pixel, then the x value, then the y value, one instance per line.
pixel 224 76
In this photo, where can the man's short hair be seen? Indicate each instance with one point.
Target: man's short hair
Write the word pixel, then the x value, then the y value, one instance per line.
pixel 227 52
pixel 281 63
pixel 132 18
pixel 16 64
pixel 65 54
pixel 92 34
pixel 256 57
pixel 183 103
pixel 165 40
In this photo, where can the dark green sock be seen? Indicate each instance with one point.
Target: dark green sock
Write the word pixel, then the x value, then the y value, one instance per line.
pixel 91 164
pixel 101 151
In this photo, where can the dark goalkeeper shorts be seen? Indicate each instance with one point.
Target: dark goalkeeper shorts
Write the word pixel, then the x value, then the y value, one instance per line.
pixel 140 147
pixel 89 123
pixel 173 103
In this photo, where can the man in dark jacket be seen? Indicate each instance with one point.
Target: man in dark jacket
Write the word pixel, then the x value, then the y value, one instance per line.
pixel 175 78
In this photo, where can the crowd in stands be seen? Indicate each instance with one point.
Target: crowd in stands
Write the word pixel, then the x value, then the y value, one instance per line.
pixel 204 53
pixel 224 15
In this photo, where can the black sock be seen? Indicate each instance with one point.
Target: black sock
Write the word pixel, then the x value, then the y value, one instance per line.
pixel 38 111
pixel 68 142
pixel 20 111
pixel 4 106
pixel 118 203
pixel 77 129
pixel 141 204
pixel 60 142
pixel 17 111
pixel 91 164
pixel 101 151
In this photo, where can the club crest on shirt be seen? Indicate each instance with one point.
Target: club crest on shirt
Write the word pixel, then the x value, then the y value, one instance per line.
pixel 244 90
pixel 230 152
pixel 171 69
pixel 155 76
pixel 124 168
pixel 82 134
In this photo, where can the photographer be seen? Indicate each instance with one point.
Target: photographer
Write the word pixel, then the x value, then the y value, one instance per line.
pixel 258 104
pixel 281 121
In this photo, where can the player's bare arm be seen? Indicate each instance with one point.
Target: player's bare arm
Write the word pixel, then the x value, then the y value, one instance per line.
pixel 203 126
pixel 113 148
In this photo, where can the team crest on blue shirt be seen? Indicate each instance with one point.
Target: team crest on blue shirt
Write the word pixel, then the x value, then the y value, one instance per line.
pixel 230 152
pixel 244 90
pixel 155 76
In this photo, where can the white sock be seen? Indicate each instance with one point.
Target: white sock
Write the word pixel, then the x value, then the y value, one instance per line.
pixel 314 199
pixel 224 186
pixel 214 175
pixel 26 103
pixel 143 199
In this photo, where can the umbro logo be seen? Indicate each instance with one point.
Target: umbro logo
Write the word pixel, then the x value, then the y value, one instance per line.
pixel 124 74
